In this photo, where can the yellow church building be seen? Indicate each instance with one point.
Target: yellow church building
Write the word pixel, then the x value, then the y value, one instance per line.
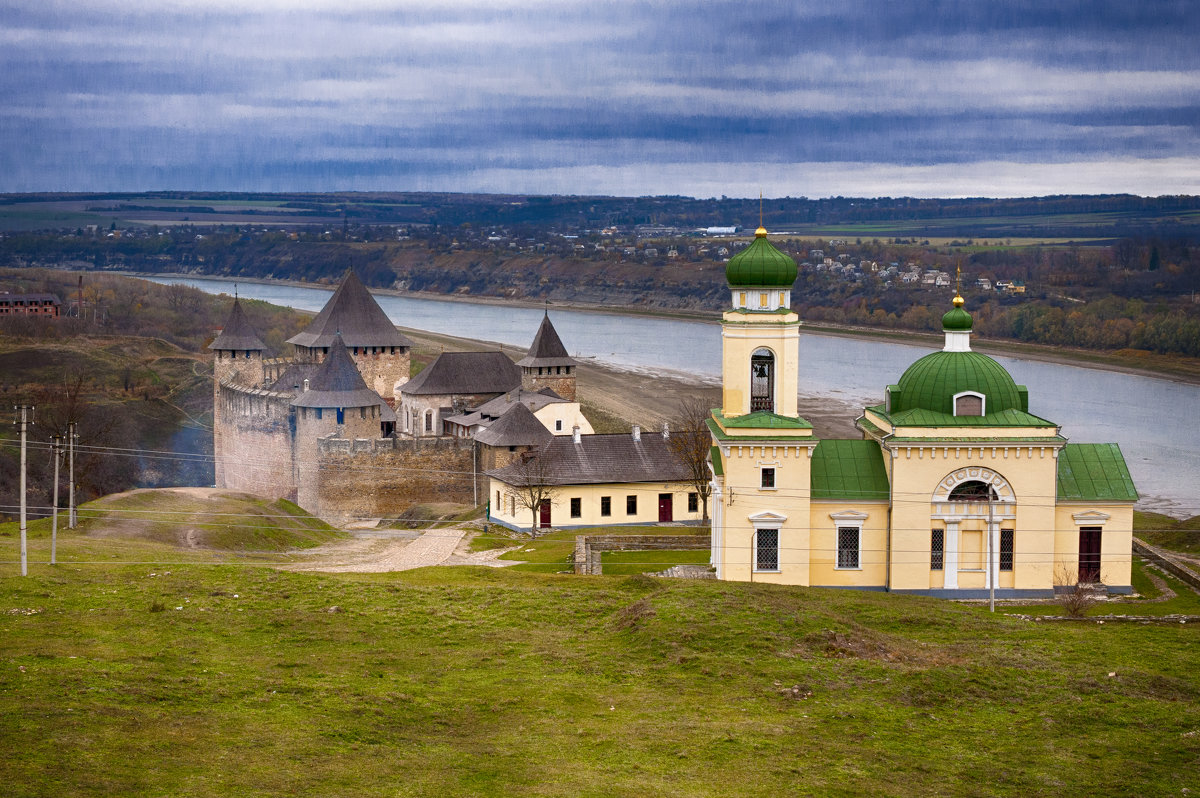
pixel 955 489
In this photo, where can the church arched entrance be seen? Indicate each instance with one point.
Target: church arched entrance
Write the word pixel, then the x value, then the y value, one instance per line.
pixel 972 538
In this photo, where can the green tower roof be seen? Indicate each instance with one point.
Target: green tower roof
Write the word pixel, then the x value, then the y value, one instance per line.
pixel 932 382
pixel 957 319
pixel 760 265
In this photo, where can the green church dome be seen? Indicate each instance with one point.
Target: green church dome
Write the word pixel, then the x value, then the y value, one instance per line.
pixel 760 265
pixel 932 382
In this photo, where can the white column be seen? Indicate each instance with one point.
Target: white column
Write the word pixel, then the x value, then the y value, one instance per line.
pixel 950 566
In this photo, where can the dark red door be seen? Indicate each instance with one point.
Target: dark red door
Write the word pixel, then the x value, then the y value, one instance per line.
pixel 544 519
pixel 1089 554
pixel 666 511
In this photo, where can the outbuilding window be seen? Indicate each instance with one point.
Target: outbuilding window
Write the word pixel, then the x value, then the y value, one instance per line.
pixel 576 507
pixel 606 506
pixel 631 505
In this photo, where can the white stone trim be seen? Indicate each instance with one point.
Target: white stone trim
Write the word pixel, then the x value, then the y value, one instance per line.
pixel 957 341
pixel 946 484
pixel 1090 518
pixel 847 519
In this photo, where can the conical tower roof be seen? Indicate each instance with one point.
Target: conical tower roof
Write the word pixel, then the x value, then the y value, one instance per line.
pixel 237 334
pixel 354 313
pixel 337 382
pixel 517 427
pixel 547 348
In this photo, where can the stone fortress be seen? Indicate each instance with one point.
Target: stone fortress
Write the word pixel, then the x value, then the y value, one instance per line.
pixel 340 429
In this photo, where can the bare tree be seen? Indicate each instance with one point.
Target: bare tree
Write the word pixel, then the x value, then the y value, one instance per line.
pixel 691 441
pixel 530 484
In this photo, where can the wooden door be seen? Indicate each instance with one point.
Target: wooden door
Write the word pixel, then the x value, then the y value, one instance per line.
pixel 544 514
pixel 666 509
pixel 1089 554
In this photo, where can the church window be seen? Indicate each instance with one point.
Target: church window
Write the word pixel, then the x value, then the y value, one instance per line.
pixel 762 381
pixel 766 550
pixel 631 505
pixel 848 542
pixel 606 505
pixel 937 550
pixel 742 298
pixel 974 491
pixel 768 478
pixel 576 507
pixel 969 403
pixel 1006 549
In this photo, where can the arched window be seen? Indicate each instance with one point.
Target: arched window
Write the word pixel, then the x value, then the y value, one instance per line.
pixel 762 381
pixel 969 403
pixel 975 491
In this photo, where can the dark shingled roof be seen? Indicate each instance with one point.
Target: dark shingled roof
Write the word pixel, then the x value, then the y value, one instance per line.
pixel 293 377
pixel 337 383
pixel 237 334
pixel 598 459
pixel 465 373
pixel 517 427
pixel 547 348
pixel 354 313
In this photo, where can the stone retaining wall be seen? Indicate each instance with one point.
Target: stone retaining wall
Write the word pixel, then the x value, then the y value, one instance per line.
pixel 588 548
pixel 1164 561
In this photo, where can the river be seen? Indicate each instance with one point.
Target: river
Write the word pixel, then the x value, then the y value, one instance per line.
pixel 1155 421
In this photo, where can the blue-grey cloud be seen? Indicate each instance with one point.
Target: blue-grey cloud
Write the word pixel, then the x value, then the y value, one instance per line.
pixel 480 96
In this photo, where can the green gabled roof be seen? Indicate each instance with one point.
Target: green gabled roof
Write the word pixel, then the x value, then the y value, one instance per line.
pixel 718 467
pixel 760 265
pixel 761 419
pixel 1094 472
pixel 849 469
pixel 920 417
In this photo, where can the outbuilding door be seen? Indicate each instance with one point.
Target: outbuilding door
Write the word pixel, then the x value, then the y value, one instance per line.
pixel 1089 554
pixel 544 514
pixel 666 510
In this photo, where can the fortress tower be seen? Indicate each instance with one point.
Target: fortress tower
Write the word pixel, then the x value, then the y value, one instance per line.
pixel 378 349
pixel 548 365
pixel 238 359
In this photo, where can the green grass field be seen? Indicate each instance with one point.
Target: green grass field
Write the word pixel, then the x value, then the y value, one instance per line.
pixel 143 668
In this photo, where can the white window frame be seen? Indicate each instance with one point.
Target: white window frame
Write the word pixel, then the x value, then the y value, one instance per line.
pixel 774 469
pixel 778 548
pixel 761 521
pixel 847 519
pixel 981 397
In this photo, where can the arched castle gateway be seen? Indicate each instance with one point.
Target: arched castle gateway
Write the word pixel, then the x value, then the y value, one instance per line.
pixel 954 488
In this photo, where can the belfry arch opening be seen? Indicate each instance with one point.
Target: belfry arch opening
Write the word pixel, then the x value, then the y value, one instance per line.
pixel 762 380
pixel 973 491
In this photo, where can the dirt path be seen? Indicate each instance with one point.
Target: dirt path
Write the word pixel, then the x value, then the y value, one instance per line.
pixel 381 551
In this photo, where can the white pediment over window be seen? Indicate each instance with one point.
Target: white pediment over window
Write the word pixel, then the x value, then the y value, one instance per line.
pixel 767 517
pixel 1090 517
pixel 848 515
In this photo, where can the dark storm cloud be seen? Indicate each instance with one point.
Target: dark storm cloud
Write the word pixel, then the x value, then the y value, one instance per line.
pixel 601 97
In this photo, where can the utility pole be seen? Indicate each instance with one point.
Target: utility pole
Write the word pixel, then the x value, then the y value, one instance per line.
pixel 26 411
pixel 56 449
pixel 991 526
pixel 71 438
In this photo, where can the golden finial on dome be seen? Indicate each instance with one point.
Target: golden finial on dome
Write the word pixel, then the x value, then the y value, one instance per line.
pixel 761 232
pixel 958 300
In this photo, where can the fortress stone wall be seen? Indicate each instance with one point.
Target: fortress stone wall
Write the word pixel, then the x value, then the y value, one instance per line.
pixel 382 478
pixel 255 450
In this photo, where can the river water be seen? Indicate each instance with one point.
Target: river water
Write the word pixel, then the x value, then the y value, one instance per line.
pixel 1155 421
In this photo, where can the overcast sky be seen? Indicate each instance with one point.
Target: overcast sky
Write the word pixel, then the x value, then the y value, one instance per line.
pixel 793 98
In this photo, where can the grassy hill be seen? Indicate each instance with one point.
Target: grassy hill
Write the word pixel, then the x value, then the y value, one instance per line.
pixel 143 668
